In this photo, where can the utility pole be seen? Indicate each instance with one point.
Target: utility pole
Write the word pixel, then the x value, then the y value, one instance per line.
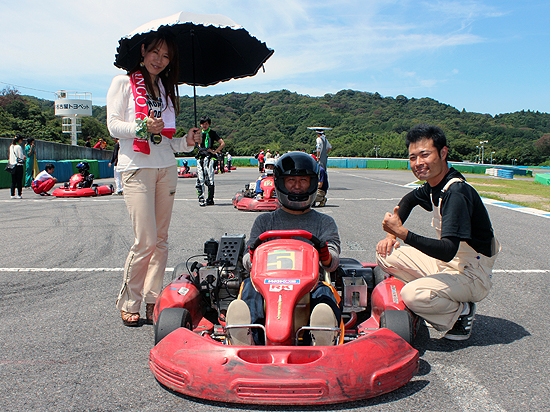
pixel 482 147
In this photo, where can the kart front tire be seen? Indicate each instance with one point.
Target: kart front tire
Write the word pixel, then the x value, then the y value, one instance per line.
pixel 171 319
pixel 398 321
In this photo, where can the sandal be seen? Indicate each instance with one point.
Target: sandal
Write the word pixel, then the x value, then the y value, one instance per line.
pixel 149 309
pixel 129 319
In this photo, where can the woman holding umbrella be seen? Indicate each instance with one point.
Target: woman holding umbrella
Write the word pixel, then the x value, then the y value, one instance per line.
pixel 141 112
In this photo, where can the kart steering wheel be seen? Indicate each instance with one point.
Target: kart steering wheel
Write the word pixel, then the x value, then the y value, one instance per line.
pixel 286 234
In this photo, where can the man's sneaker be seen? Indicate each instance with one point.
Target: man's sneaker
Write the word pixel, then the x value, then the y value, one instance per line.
pixel 323 202
pixel 202 202
pixel 463 326
pixel 209 203
pixel 322 316
pixel 238 313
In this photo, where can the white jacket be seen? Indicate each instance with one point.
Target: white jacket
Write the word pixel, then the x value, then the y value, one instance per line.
pixel 121 123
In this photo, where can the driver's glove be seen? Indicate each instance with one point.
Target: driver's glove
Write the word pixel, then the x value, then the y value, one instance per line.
pixel 324 253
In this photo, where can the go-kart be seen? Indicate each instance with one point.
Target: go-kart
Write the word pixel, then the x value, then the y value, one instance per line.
pixel 73 188
pixel 248 200
pixel 185 172
pixel 193 355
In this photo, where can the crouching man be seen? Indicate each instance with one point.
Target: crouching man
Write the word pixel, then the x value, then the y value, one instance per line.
pixel 447 275
pixel 44 181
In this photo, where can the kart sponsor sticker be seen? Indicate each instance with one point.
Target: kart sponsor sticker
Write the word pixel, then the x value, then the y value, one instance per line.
pixel 284 260
pixel 183 291
pixel 395 298
pixel 282 281
pixel 280 288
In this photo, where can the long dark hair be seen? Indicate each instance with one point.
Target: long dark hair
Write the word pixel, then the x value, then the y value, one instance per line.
pixel 169 76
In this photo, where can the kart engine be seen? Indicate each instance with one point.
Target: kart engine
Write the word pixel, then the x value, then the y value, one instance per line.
pixel 220 279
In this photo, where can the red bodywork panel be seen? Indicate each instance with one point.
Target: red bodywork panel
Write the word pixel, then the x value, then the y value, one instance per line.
pixel 242 202
pixel 283 274
pixel 268 186
pixel 286 375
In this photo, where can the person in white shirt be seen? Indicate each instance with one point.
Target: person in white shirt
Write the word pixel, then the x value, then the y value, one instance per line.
pixel 141 112
pixel 17 160
pixel 323 147
pixel 44 181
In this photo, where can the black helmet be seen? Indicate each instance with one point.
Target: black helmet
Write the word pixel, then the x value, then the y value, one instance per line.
pixel 184 162
pixel 296 164
pixel 83 167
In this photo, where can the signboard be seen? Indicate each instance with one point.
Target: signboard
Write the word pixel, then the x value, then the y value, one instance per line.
pixel 73 107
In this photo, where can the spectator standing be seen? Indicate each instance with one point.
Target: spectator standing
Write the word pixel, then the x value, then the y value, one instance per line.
pixel 261 160
pixel 17 158
pixel 101 144
pixel 117 174
pixel 31 164
pixel 88 141
pixel 206 159
pixel 323 147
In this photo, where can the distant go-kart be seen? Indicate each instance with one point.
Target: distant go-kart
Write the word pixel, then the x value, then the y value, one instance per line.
pixel 248 200
pixel 192 354
pixel 73 188
pixel 185 172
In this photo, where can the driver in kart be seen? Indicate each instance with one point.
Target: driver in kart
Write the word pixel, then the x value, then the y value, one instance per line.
pixel 185 166
pixel 87 177
pixel 296 181
pixel 269 167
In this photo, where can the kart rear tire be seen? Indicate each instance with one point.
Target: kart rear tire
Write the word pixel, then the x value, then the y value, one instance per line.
pixel 379 275
pixel 398 321
pixel 179 270
pixel 171 319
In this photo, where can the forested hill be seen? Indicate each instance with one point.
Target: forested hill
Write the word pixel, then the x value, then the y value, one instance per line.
pixel 278 120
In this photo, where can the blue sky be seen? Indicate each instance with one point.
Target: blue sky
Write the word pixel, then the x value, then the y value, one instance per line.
pixel 482 56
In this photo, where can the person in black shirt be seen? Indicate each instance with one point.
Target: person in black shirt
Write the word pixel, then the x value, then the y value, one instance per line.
pixel 444 276
pixel 206 158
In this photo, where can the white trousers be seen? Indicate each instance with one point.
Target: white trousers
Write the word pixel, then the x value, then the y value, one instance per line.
pixel 149 195
pixel 437 290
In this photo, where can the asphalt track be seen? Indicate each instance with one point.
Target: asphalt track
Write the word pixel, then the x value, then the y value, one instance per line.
pixel 64 348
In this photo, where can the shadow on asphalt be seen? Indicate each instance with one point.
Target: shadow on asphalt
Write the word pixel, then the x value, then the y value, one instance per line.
pixel 487 331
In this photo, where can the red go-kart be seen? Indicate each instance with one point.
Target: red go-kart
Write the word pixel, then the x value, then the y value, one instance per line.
pixel 248 200
pixel 185 172
pixel 192 354
pixel 73 189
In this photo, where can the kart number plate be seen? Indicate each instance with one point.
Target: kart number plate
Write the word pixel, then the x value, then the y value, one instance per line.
pixel 284 260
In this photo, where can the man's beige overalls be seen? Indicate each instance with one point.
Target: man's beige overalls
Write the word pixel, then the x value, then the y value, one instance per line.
pixel 435 289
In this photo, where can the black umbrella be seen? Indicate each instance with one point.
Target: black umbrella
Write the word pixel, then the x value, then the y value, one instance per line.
pixel 212 49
